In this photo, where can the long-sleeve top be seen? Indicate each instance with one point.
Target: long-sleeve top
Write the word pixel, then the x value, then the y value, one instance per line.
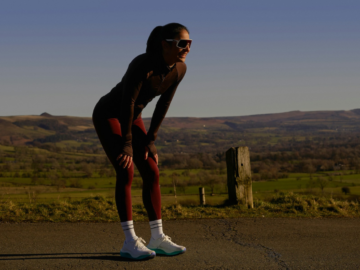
pixel 146 77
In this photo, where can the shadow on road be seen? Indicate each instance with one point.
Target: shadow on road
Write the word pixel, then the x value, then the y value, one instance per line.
pixel 110 256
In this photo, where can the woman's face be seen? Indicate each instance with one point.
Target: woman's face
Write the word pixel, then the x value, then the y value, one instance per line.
pixel 173 54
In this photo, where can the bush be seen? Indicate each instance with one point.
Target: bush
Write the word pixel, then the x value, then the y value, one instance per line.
pixel 75 183
pixel 345 190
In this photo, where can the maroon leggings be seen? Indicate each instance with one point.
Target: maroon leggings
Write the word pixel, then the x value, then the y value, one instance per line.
pixel 109 133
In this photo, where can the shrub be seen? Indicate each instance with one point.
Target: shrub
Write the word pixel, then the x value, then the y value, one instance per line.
pixel 75 183
pixel 345 190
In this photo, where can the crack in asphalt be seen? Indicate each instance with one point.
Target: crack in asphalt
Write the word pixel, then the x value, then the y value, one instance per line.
pixel 231 234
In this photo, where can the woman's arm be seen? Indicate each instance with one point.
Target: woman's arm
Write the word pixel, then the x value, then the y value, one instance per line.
pixel 132 83
pixel 161 109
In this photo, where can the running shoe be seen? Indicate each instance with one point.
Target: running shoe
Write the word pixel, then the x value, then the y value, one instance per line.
pixel 136 250
pixel 164 245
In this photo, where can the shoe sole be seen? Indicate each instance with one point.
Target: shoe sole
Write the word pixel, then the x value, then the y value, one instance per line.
pixel 127 255
pixel 160 251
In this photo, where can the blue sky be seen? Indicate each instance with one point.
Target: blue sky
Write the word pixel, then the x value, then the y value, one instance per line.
pixel 247 57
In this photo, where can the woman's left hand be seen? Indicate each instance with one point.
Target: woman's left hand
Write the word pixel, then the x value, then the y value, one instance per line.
pixel 147 153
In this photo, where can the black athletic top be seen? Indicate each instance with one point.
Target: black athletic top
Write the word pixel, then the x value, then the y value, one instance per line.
pixel 146 77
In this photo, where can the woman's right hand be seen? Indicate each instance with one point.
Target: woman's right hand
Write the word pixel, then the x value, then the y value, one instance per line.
pixel 125 160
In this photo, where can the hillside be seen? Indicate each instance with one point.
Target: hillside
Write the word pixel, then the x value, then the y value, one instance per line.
pixel 25 129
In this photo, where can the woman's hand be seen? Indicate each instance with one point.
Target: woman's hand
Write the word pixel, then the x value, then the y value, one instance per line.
pixel 124 160
pixel 147 152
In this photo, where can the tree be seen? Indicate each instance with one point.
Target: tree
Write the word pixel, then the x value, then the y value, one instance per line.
pixel 213 180
pixel 76 183
pixel 65 173
pixel 182 185
pixel 322 182
pixel 34 179
pixel 59 183
pixel 174 177
pixel 102 172
pixel 222 167
pixel 194 163
pixel 345 190
pixel 311 184
pixel 185 173
pixel 110 172
pixel 87 170
pixel 357 167
pixel 310 169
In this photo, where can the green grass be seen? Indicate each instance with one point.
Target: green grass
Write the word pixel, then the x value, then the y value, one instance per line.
pixel 101 209
pixel 285 184
pixel 105 186
pixel 6 148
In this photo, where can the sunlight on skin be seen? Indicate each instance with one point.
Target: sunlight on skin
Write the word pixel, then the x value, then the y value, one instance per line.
pixel 128 160
pixel 173 54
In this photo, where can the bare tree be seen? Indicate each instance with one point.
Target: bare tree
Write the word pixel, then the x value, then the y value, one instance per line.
pixel 213 180
pixel 310 169
pixel 174 177
pixel 322 182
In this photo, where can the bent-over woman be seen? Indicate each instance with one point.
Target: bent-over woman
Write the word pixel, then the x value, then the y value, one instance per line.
pixel 120 128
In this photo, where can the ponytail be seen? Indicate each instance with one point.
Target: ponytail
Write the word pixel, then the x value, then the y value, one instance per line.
pixel 154 41
pixel 159 33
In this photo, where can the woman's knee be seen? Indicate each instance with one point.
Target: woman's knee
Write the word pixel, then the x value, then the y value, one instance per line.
pixel 124 175
pixel 151 177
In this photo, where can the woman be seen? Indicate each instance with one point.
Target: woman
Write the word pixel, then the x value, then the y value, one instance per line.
pixel 118 123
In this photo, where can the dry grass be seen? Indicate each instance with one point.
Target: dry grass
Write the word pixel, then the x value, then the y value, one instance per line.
pixel 100 209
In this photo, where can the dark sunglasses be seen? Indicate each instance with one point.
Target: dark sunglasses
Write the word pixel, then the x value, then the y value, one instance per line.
pixel 181 43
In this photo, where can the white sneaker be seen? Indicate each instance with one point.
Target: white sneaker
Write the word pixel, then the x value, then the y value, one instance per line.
pixel 136 250
pixel 163 245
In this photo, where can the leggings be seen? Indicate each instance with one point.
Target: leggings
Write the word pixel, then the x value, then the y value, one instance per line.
pixel 109 133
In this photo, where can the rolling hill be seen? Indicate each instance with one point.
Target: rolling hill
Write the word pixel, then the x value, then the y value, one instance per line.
pixel 23 129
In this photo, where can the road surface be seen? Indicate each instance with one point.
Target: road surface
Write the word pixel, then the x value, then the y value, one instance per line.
pixel 243 243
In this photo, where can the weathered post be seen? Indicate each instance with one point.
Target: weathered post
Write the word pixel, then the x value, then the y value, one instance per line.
pixel 174 183
pixel 239 176
pixel 202 195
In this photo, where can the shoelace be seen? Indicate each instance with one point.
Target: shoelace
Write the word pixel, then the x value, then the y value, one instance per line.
pixel 168 239
pixel 139 243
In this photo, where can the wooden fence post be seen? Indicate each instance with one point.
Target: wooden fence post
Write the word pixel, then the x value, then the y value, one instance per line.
pixel 239 176
pixel 202 195
pixel 174 183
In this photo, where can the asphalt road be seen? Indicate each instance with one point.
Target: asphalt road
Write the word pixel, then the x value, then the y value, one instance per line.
pixel 244 243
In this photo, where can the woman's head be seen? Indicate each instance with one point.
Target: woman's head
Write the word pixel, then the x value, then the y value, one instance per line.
pixel 157 43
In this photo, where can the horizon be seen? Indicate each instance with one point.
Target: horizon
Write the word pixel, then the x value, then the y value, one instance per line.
pixel 225 116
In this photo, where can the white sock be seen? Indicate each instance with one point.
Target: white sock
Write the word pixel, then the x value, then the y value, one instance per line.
pixel 156 228
pixel 128 228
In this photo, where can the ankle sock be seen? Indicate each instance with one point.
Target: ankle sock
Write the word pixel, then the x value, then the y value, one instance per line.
pixel 156 228
pixel 128 228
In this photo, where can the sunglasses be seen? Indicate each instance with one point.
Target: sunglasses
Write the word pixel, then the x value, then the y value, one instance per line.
pixel 181 43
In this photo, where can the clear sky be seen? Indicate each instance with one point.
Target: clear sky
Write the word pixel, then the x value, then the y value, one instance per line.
pixel 247 57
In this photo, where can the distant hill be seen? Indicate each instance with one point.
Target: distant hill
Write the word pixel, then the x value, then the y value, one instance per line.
pixel 331 119
pixel 27 128
pixel 46 114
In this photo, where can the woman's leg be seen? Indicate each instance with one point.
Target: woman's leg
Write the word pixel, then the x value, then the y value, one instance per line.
pixel 149 172
pixel 109 134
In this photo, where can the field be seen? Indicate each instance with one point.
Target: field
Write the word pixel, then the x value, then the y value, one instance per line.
pixel 22 190
pixel 305 157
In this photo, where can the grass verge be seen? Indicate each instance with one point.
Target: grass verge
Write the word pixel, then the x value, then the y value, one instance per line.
pixel 101 209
